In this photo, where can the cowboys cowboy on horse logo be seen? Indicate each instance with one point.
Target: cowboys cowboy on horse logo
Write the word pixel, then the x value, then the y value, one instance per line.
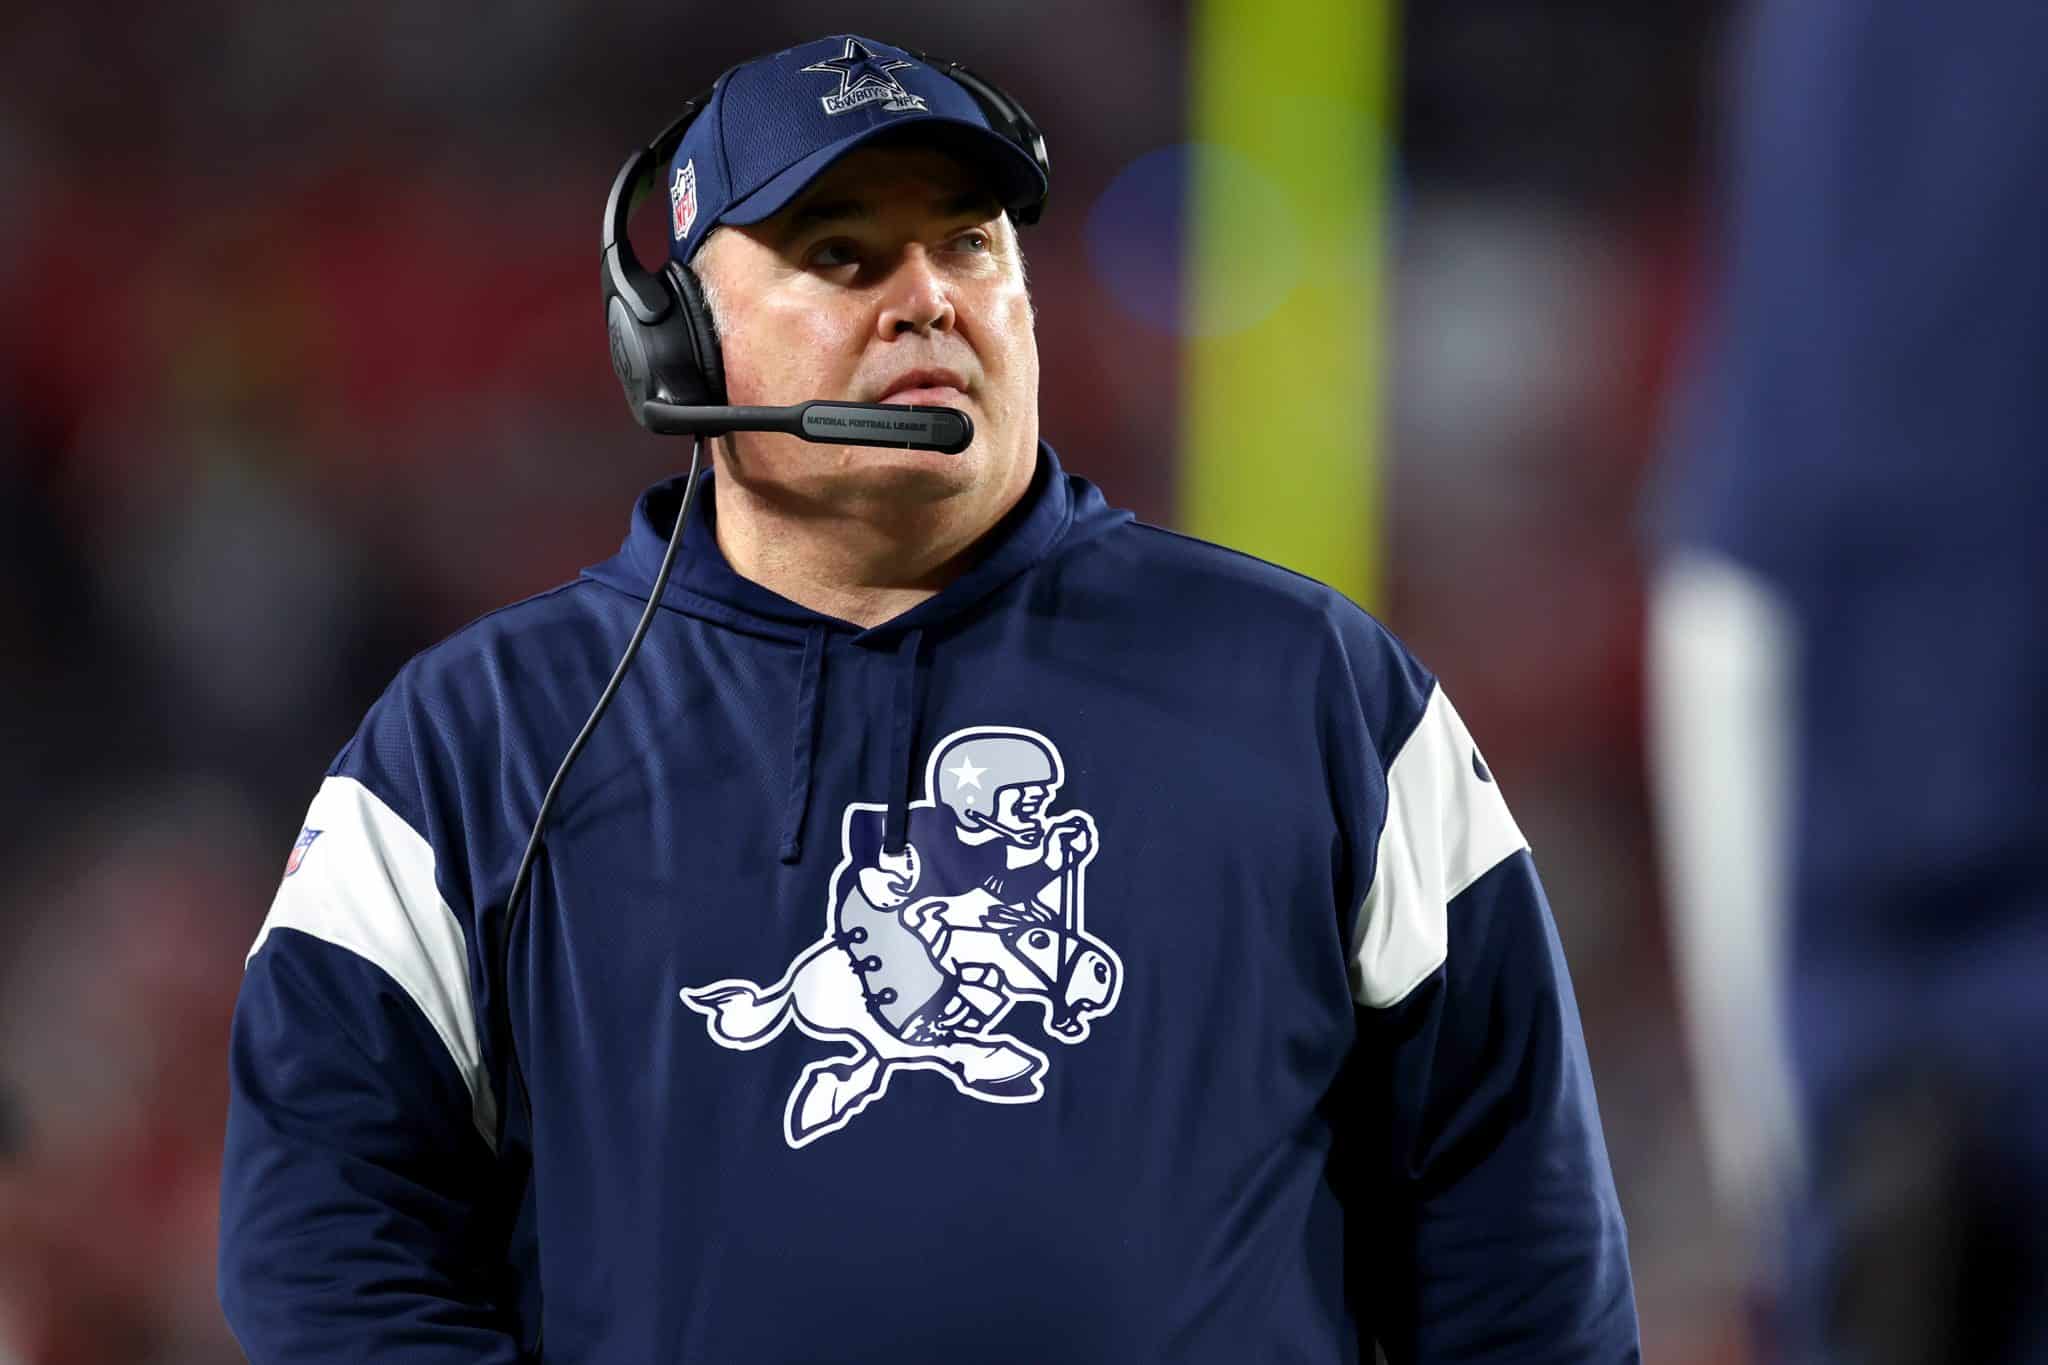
pixel 927 947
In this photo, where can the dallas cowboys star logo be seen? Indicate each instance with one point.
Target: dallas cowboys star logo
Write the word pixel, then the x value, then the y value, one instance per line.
pixel 864 77
pixel 967 775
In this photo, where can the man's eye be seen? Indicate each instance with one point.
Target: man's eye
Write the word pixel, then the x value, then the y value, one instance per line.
pixel 974 239
pixel 832 254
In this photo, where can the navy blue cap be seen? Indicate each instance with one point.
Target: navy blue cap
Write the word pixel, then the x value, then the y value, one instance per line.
pixel 775 123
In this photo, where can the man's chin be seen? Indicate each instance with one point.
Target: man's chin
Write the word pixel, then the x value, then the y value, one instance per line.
pixel 872 481
pixel 900 476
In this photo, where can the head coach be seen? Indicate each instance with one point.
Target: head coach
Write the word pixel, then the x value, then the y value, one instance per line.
pixel 900 908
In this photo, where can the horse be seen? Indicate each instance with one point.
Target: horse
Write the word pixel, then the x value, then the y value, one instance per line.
pixel 989 955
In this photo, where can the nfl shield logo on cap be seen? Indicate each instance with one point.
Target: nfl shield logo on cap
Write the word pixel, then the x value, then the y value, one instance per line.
pixel 682 199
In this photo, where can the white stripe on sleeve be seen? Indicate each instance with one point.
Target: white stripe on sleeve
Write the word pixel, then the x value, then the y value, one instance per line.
pixel 1447 826
pixel 366 883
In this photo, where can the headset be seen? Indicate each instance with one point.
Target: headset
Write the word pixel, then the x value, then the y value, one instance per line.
pixel 664 344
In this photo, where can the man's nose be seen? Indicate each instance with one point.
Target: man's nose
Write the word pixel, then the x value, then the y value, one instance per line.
pixel 915 298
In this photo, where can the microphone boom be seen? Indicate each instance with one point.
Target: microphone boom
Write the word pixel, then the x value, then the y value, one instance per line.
pixel 896 425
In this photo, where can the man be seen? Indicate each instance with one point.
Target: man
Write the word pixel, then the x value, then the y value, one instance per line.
pixel 1169 980
pixel 1851 664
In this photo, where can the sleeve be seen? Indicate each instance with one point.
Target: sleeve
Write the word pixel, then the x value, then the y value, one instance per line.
pixel 357 1215
pixel 1497 1235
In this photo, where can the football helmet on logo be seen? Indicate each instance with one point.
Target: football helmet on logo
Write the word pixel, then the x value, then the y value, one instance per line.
pixel 998 781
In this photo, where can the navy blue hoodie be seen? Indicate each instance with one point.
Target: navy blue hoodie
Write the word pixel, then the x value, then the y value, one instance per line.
pixel 1124 955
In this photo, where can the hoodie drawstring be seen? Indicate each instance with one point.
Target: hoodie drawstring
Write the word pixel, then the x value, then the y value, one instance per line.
pixel 904 717
pixel 809 690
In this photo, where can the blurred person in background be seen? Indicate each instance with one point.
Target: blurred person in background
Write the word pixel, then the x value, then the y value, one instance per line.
pixel 1319 1072
pixel 1851 661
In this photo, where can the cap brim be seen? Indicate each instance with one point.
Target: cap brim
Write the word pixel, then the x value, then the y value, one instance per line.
pixel 1014 177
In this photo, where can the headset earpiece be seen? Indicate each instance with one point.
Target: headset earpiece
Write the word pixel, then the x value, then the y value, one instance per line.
pixel 707 359
pixel 664 348
pixel 662 361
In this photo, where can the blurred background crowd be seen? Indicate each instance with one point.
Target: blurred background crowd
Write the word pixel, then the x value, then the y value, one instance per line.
pixel 303 368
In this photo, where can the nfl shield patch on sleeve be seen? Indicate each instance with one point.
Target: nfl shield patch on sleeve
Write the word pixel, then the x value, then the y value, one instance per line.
pixel 306 838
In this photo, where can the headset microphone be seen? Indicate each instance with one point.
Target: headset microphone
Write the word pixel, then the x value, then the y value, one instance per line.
pixel 854 424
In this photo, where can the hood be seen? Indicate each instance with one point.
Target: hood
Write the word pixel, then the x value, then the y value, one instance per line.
pixel 1058 511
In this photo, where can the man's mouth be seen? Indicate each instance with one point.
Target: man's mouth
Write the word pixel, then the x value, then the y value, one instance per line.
pixel 925 386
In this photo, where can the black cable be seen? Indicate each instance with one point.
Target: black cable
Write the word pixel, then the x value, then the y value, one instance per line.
pixel 514 902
